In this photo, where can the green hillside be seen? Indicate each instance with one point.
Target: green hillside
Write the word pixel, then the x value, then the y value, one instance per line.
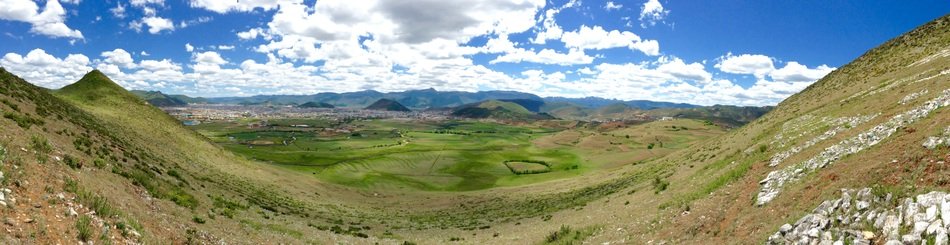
pixel 387 105
pixel 159 99
pixel 315 105
pixel 498 110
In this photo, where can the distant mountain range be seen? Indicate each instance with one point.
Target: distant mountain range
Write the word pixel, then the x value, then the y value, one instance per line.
pixel 596 102
pixel 415 99
pixel 493 104
pixel 159 99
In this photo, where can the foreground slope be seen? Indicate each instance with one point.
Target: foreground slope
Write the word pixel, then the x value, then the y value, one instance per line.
pixel 862 126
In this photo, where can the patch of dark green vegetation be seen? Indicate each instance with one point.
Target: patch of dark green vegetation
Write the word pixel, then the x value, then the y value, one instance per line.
pixel 23 120
pixel 72 162
pixel 567 235
pixel 41 146
pixel 519 171
pixel 660 184
pixel 272 227
pixel 226 207
pixel 158 188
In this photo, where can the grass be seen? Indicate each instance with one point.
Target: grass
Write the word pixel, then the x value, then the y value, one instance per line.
pixel 84 228
pixel 442 156
pixel 90 199
pixel 23 120
pixel 451 156
pixel 41 146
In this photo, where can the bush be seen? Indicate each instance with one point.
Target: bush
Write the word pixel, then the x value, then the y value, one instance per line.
pixel 40 144
pixel 198 220
pixel 659 185
pixel 99 163
pixel 42 148
pixel 72 162
pixel 568 235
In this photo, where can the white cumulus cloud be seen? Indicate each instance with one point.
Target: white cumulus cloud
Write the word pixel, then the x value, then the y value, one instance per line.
pixel 49 22
pixel 651 13
pixel 45 70
pixel 598 38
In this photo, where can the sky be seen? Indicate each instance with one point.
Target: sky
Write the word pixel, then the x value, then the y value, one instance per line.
pixel 700 52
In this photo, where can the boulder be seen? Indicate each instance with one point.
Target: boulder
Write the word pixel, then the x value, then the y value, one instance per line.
pixel 862 205
pixel 785 229
pixel 934 227
pixel 931 213
pixel 891 226
pixel 910 239
pixel 941 237
pixel 945 212
pixel 930 199
pixel 920 227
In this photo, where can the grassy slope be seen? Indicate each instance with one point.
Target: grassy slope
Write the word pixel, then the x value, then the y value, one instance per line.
pixel 210 170
pixel 718 181
pixel 500 110
pixel 92 152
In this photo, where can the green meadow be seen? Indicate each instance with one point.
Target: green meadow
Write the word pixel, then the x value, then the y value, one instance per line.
pixel 430 156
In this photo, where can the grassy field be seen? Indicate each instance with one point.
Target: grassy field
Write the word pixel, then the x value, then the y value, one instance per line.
pixel 449 155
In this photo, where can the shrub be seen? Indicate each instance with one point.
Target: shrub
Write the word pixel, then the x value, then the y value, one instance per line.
pixel 99 163
pixel 72 162
pixel 10 104
pixel 39 144
pixel 568 235
pixel 42 148
pixel 198 220
pixel 659 185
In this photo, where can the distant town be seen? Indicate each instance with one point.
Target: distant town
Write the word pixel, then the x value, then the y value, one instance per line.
pixel 195 114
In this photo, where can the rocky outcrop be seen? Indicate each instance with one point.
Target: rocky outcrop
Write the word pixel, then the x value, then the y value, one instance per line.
pixel 912 97
pixel 933 142
pixel 861 217
pixel 838 125
pixel 776 180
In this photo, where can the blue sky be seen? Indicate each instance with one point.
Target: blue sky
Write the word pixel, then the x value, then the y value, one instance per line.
pixel 701 52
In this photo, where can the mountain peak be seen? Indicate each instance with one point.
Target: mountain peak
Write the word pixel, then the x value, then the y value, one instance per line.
pixel 97 87
pixel 387 105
